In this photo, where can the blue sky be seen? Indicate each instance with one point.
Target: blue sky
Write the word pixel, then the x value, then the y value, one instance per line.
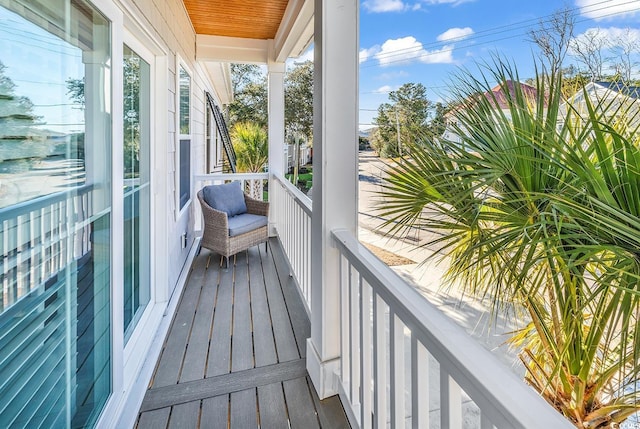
pixel 428 41
pixel 39 64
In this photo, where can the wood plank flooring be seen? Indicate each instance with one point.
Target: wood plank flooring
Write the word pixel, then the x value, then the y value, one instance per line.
pixel 234 356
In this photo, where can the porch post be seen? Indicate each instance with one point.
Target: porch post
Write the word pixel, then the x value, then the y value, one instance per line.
pixel 335 181
pixel 275 75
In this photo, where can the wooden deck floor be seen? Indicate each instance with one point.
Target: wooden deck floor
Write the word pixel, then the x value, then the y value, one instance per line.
pixel 235 353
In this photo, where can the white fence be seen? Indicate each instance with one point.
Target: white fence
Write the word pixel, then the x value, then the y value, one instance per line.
pixel 391 336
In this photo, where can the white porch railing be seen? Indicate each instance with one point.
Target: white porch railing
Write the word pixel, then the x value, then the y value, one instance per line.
pixel 39 238
pixel 245 179
pixel 390 337
pixel 292 213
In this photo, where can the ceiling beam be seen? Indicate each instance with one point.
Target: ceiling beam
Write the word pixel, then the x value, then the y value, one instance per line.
pixel 295 33
pixel 231 49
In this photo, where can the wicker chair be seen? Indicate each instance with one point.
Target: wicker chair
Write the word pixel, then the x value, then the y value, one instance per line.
pixel 216 236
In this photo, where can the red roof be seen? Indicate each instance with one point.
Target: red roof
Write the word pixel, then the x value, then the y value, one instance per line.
pixel 500 94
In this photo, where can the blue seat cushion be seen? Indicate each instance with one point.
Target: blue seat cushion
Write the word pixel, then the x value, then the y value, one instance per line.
pixel 227 198
pixel 245 222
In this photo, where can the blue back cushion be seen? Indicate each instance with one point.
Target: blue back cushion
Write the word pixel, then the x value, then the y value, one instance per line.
pixel 227 198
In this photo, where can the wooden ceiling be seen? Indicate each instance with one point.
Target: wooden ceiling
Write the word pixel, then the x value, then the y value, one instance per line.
pixel 254 19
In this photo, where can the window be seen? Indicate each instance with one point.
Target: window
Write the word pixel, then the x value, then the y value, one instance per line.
pixel 55 205
pixel 184 150
pixel 137 196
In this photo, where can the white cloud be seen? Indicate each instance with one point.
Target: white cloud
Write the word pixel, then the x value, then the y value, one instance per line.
pixel 615 35
pixel 608 38
pixel 384 89
pixel 407 50
pixel 453 2
pixel 365 54
pixel 397 74
pixel 595 9
pixel 455 34
pixel 307 56
pixel 379 6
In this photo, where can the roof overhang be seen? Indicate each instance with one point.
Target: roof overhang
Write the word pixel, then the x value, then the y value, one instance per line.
pixel 293 37
pixel 220 75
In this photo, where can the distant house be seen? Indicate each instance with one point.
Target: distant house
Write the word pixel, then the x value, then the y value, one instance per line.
pixel 498 97
pixel 604 95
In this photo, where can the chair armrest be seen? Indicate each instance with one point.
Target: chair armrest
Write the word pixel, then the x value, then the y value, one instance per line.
pixel 256 207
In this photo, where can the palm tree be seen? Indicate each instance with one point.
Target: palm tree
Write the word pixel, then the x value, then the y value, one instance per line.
pixel 539 205
pixel 252 152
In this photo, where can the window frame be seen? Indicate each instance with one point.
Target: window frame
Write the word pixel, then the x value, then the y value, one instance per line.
pixel 179 137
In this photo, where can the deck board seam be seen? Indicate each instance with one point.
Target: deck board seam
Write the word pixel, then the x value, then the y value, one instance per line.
pixel 268 301
pixel 284 282
pixel 180 393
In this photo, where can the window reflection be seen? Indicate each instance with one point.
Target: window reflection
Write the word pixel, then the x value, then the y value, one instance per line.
pixel 136 145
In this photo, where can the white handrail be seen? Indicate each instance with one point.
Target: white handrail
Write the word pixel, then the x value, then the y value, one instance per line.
pixel 379 308
pixel 221 177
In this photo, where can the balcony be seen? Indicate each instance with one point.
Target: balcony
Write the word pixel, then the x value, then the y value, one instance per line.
pixel 235 354
pixel 236 351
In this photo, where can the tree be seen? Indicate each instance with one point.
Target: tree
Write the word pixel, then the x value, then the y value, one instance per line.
pixel 131 108
pixel 298 108
pixel 588 49
pixel 18 136
pixel 553 36
pixel 250 95
pixel 402 121
pixel 437 124
pixel 75 91
pixel 624 47
pixel 542 216
pixel 252 152
pixel 298 100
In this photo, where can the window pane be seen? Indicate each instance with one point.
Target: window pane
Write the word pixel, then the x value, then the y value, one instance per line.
pixel 55 221
pixel 185 91
pixel 185 171
pixel 136 93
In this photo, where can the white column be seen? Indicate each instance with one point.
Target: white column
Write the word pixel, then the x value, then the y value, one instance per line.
pixel 335 177
pixel 275 91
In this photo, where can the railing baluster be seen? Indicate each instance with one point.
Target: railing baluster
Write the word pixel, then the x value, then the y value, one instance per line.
pixel 397 385
pixel 450 401
pixel 365 352
pixel 345 340
pixel 419 385
pixel 13 266
pixel 354 325
pixel 380 363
